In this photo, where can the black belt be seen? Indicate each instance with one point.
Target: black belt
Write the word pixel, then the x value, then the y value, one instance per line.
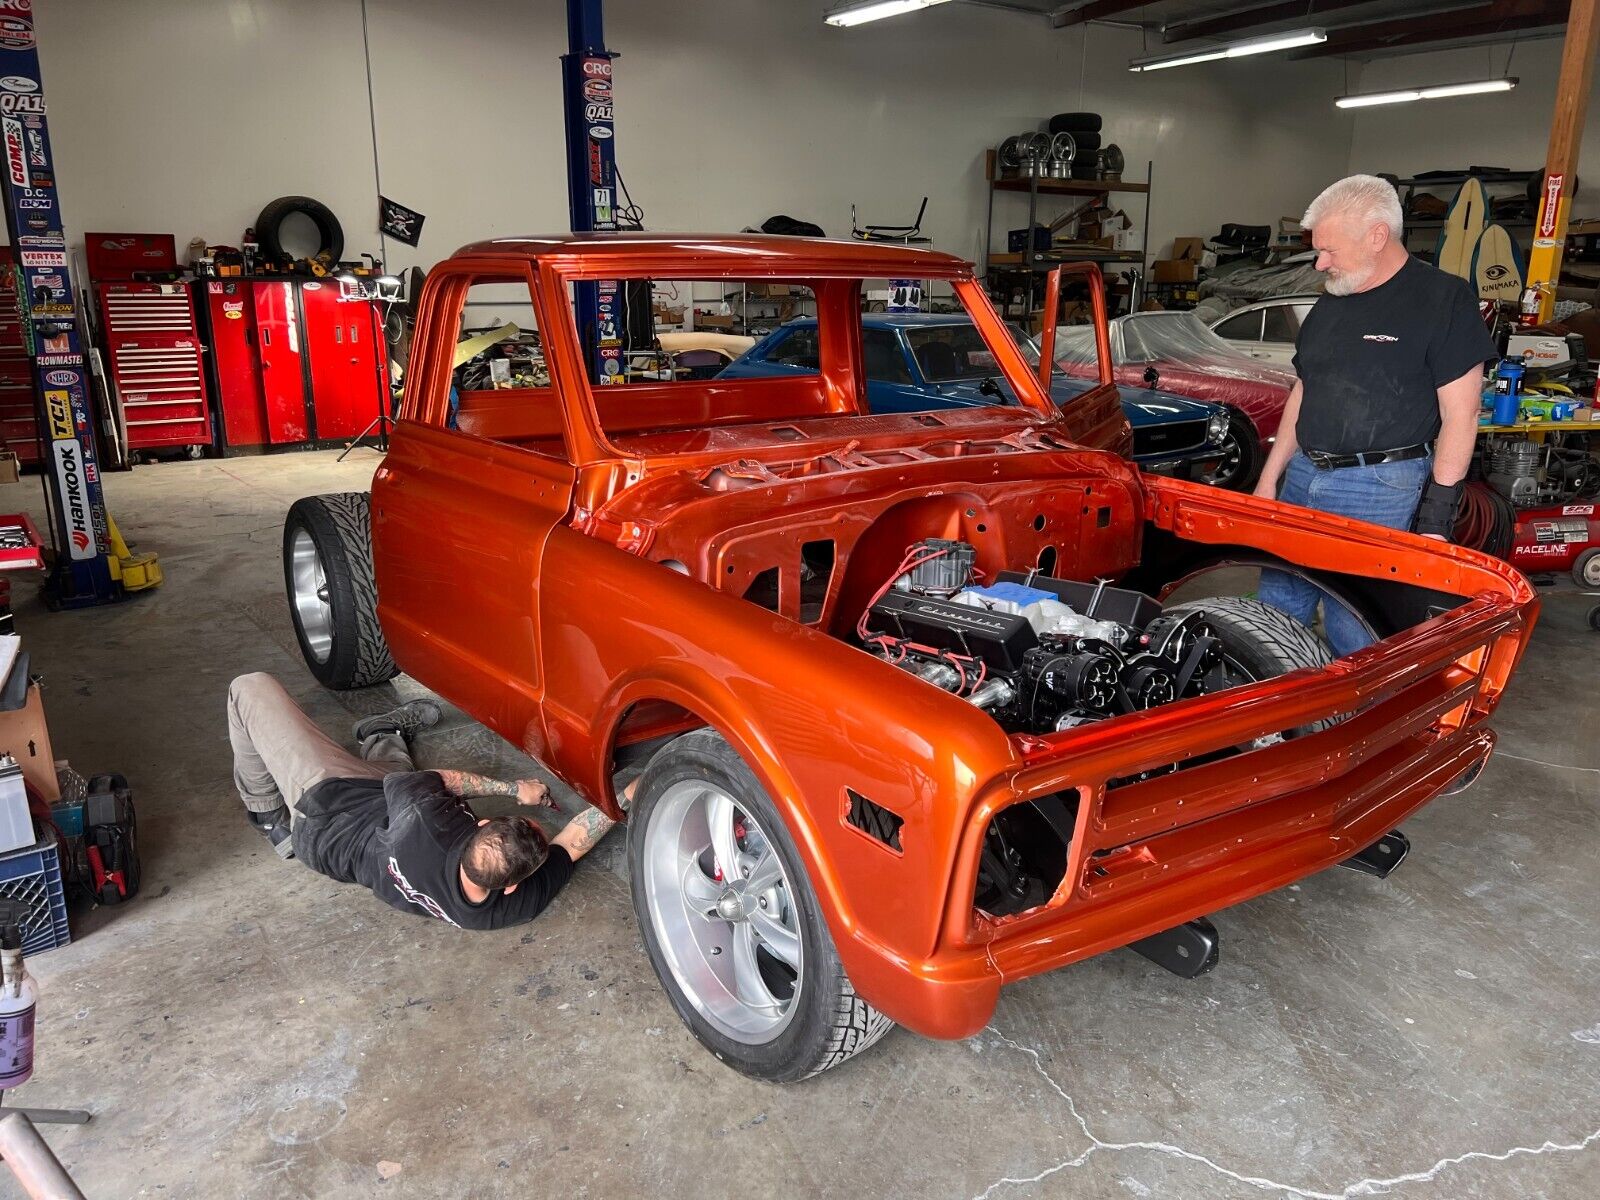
pixel 1332 462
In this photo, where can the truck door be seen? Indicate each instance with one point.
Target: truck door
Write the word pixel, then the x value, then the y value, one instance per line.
pixel 475 479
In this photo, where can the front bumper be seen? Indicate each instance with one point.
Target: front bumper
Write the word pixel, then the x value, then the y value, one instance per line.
pixel 1405 721
pixel 1193 467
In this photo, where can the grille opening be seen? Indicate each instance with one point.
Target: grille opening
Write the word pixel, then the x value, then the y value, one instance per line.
pixel 1024 856
pixel 816 572
pixel 874 820
pixel 763 589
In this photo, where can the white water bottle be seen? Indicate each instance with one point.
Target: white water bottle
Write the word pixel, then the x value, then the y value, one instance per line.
pixel 17 1001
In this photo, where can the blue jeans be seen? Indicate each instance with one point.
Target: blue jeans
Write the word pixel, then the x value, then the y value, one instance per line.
pixel 1386 494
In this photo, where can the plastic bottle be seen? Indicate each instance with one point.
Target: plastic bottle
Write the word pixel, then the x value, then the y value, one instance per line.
pixel 1508 391
pixel 17 1002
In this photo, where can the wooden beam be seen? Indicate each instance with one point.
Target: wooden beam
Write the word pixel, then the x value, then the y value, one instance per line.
pixel 1561 160
pixel 1511 17
pixel 1249 18
pixel 1095 10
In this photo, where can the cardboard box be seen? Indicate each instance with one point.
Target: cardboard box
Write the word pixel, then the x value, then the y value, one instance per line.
pixel 10 468
pixel 1191 248
pixel 718 321
pixel 1174 270
pixel 25 736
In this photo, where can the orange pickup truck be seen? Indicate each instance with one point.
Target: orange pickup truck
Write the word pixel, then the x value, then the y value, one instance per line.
pixel 917 710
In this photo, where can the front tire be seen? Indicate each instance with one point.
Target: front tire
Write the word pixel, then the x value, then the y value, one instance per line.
pixel 1241 457
pixel 731 923
pixel 333 600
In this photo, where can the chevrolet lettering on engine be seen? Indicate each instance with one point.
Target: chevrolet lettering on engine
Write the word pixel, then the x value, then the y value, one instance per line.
pixel 919 707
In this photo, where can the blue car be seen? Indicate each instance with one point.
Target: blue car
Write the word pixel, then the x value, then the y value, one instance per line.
pixel 918 361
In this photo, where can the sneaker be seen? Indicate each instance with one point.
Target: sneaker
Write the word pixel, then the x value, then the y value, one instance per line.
pixel 408 720
pixel 274 826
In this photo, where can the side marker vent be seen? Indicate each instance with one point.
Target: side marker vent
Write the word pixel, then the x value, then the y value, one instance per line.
pixel 874 820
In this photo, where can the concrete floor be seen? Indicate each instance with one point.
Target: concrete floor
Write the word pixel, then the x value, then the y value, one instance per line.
pixel 249 1029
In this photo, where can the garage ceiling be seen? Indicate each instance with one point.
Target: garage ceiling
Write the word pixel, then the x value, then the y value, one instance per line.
pixel 1356 28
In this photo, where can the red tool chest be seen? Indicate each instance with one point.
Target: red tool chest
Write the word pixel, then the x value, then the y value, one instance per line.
pixel 19 426
pixel 151 342
pixel 296 361
pixel 153 352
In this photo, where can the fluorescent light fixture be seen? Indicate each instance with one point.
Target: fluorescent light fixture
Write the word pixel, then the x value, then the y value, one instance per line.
pixel 1261 45
pixel 875 10
pixel 1438 92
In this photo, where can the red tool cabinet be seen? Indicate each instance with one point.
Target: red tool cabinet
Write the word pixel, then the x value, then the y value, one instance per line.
pixel 296 361
pixel 151 342
pixel 153 356
pixel 19 424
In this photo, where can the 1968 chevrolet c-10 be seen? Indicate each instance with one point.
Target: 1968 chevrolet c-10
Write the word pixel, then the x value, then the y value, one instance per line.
pixel 915 715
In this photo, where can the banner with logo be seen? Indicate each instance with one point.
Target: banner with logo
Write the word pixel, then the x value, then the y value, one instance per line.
pixel 49 313
pixel 592 195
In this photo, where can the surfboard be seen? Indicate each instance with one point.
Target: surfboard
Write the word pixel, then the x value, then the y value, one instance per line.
pixel 1463 225
pixel 1497 266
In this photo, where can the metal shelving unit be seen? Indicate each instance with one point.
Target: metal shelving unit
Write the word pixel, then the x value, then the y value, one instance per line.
pixel 1034 263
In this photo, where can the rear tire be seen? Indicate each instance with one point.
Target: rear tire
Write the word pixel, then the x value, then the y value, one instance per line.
pixel 805 1017
pixel 333 600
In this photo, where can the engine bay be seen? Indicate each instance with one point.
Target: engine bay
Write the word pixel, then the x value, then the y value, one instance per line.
pixel 1037 653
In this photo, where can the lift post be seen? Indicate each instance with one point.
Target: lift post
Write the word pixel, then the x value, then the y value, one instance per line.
pixel 1561 162
pixel 82 574
pixel 591 179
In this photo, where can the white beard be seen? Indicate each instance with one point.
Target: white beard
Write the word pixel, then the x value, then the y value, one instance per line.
pixel 1348 282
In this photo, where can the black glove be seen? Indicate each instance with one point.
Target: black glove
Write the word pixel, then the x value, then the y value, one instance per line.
pixel 1437 512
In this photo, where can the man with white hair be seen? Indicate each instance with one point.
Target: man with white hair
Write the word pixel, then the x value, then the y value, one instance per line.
pixel 1381 424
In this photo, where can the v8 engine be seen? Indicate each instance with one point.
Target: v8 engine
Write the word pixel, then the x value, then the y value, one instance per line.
pixel 1037 653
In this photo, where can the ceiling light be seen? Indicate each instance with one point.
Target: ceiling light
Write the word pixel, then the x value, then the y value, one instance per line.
pixel 1437 92
pixel 1261 45
pixel 875 10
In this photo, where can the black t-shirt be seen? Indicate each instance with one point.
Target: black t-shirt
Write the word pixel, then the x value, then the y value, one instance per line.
pixel 1371 364
pixel 402 837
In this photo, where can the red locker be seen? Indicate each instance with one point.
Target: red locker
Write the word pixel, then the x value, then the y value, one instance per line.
pixel 153 353
pixel 230 312
pixel 295 361
pixel 283 365
pixel 344 348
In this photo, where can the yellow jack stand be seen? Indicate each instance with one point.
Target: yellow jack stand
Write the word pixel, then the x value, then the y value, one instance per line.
pixel 135 572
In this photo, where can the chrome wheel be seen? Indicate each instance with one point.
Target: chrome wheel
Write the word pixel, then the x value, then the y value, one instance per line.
pixel 723 912
pixel 309 587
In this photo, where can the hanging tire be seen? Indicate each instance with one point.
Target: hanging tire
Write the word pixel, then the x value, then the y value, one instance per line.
pixel 270 224
pixel 1242 459
pixel 333 601
pixel 731 923
pixel 1075 123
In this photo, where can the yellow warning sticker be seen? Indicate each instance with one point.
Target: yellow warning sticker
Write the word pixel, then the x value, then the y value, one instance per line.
pixel 59 406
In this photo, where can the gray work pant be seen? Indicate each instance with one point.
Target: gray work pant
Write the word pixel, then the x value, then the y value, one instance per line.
pixel 279 753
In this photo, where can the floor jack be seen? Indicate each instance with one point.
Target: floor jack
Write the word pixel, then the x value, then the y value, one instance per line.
pixel 1193 948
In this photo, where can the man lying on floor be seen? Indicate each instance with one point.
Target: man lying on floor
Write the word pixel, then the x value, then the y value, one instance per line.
pixel 376 820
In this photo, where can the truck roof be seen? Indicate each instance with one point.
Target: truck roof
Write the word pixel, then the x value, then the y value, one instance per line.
pixel 720 256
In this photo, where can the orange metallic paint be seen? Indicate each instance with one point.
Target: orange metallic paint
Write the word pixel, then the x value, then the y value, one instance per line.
pixel 528 587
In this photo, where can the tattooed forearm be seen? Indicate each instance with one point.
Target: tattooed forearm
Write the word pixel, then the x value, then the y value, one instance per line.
pixel 583 831
pixel 464 783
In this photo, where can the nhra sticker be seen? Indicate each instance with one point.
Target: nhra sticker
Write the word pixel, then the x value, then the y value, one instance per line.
pixel 74 497
pixel 59 407
pixel 61 378
pixel 44 258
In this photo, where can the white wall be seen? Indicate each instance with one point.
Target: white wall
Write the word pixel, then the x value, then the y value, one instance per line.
pixel 1507 130
pixel 186 116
